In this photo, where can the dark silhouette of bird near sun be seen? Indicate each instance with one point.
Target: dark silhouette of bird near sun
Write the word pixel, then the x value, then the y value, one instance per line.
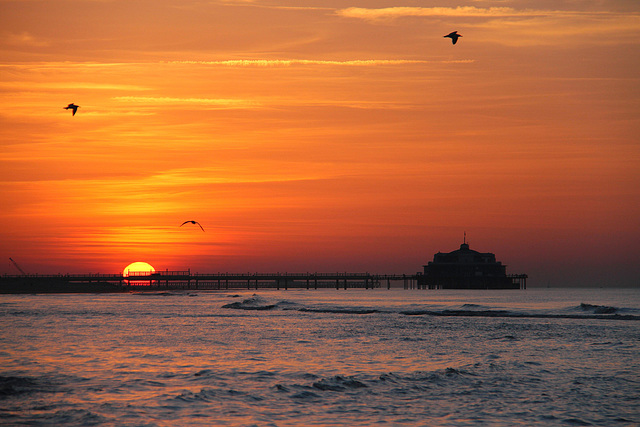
pixel 453 36
pixel 192 222
pixel 73 107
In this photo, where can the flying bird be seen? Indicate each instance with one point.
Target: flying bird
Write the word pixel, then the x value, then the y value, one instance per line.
pixel 453 36
pixel 73 107
pixel 192 222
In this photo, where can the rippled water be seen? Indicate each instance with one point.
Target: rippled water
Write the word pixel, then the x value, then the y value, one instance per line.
pixel 325 357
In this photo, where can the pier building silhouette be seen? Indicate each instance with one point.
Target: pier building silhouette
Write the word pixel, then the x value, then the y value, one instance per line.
pixel 466 268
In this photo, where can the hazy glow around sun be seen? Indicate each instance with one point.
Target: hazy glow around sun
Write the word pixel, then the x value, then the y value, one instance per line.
pixel 138 267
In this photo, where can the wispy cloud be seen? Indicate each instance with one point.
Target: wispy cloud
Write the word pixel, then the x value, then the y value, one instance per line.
pixel 292 62
pixel 210 175
pixel 70 85
pixel 524 26
pixel 134 193
pixel 56 65
pixel 137 66
pixel 255 3
pixel 210 102
pixel 554 29
pixel 398 12
pixel 463 11
pixel 266 102
pixel 24 39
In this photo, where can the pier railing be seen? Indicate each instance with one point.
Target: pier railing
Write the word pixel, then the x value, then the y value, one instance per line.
pixel 144 280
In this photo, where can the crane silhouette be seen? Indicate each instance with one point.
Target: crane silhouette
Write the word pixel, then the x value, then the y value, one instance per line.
pixel 15 264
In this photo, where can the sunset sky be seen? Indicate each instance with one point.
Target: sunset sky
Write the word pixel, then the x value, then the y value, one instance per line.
pixel 321 135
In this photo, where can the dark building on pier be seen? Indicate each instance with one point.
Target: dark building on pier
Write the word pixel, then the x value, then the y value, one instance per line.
pixel 468 269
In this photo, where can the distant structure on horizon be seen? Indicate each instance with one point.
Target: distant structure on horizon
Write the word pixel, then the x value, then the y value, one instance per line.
pixel 468 269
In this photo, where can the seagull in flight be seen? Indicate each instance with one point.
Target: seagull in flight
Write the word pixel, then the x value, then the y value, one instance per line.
pixel 453 36
pixel 73 107
pixel 192 222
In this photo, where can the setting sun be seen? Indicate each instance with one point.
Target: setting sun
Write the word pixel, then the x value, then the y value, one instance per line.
pixel 138 267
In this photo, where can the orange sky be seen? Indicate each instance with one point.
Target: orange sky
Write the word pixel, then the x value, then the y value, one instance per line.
pixel 321 135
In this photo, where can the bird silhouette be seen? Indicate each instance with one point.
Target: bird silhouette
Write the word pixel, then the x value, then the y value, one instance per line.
pixel 453 36
pixel 73 107
pixel 192 222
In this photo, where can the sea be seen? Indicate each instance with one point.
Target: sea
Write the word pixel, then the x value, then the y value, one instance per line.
pixel 329 357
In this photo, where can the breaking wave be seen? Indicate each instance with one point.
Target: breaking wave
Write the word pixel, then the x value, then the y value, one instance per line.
pixel 582 311
pixel 598 309
pixel 256 302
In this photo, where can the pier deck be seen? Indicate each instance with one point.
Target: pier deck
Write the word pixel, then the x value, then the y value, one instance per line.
pixel 173 280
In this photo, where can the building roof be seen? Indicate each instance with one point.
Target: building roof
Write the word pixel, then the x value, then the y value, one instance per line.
pixel 464 255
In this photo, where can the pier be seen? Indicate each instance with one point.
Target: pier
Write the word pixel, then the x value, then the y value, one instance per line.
pixel 186 280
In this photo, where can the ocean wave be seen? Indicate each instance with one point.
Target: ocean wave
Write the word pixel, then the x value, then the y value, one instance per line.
pixel 338 383
pixel 204 395
pixel 305 395
pixel 402 383
pixel 424 376
pixel 598 309
pixel 256 302
pixel 164 294
pixel 340 310
pixel 16 385
pixel 79 417
pixel 12 386
pixel 515 314
pixel 280 388
pixel 474 307
pixel 215 395
pixel 460 313
pixel 583 311
pixel 139 384
pixel 208 374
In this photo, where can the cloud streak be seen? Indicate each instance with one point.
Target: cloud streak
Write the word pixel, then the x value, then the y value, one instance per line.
pixel 293 62
pixel 222 103
pixel 70 85
pixel 524 26
pixel 398 12
pixel 463 12
pixel 24 39
pixel 265 102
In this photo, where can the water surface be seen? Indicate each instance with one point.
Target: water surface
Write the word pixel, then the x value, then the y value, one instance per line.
pixel 322 357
